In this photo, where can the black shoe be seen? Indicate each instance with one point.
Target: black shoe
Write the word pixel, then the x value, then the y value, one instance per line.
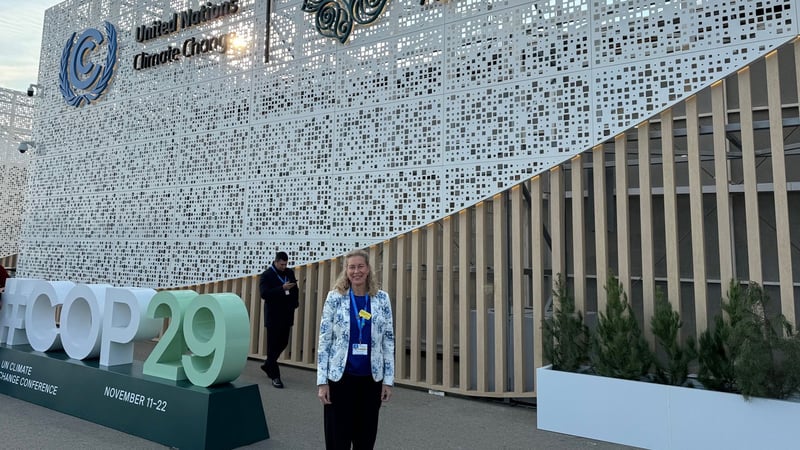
pixel 277 383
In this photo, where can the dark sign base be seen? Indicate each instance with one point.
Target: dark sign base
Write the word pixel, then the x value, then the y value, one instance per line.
pixel 177 414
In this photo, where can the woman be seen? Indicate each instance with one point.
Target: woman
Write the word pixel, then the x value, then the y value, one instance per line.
pixel 355 357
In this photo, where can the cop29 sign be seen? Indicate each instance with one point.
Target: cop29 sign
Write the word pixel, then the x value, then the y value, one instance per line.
pixel 80 79
pixel 205 342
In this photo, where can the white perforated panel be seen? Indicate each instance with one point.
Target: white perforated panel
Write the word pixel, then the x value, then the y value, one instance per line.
pixel 201 168
pixel 16 120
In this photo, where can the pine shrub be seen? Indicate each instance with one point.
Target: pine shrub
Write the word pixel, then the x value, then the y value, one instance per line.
pixel 766 360
pixel 566 337
pixel 751 352
pixel 620 350
pixel 673 367
pixel 715 361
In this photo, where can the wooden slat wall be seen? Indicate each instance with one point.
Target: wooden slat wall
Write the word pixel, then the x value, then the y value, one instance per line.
pixel 697 214
pixel 400 310
pixel 623 212
pixel 722 183
pixel 466 294
pixel 311 294
pixel 782 225
pixel 294 350
pixel 538 246
pixel 9 261
pixel 558 238
pixel 481 307
pixel 670 211
pixel 449 320
pixel 415 332
pixel 323 277
pixel 461 287
pixel 578 234
pixel 500 298
pixel 432 280
pixel 750 178
pixel 255 305
pixel 517 286
pixel 600 224
pixel 646 228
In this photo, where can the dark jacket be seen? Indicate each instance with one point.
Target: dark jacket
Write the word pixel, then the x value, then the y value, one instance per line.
pixel 278 307
pixel 3 276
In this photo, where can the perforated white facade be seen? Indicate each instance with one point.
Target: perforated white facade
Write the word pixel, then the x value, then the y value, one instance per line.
pixel 200 168
pixel 16 119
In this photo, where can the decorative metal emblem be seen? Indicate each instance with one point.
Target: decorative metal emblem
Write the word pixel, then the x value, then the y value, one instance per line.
pixel 335 18
pixel 77 74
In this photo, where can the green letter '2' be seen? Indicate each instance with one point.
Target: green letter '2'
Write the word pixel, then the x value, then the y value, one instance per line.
pixel 165 359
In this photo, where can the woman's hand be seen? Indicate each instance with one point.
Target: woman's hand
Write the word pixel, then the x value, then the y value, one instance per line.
pixel 324 394
pixel 386 393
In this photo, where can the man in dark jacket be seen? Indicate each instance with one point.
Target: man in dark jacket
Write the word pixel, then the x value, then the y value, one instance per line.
pixel 278 287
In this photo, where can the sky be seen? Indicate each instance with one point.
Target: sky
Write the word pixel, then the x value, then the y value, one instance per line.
pixel 21 38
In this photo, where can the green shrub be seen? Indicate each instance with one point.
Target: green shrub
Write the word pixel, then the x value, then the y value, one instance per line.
pixel 620 350
pixel 750 352
pixel 566 337
pixel 673 367
pixel 715 349
pixel 767 351
pixel 715 363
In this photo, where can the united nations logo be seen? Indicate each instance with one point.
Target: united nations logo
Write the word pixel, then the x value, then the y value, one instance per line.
pixel 78 73
pixel 335 18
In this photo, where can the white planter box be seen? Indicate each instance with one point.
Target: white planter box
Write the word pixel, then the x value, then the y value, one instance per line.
pixel 656 416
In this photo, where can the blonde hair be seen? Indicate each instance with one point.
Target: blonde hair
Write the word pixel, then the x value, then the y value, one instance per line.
pixel 342 284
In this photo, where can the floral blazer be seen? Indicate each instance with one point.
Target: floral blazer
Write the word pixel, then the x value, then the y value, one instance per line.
pixel 334 338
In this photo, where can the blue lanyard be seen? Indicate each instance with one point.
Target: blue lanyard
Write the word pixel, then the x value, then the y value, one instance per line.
pixel 359 320
pixel 283 280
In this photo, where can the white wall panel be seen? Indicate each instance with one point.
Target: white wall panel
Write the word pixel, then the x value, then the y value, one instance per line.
pixel 199 169
pixel 16 120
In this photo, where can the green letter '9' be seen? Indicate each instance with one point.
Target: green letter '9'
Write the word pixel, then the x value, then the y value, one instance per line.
pixel 216 328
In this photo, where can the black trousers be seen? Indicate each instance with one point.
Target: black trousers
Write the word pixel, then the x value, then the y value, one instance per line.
pixel 352 416
pixel 277 340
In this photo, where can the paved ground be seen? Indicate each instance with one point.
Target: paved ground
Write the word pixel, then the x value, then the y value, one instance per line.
pixel 412 420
